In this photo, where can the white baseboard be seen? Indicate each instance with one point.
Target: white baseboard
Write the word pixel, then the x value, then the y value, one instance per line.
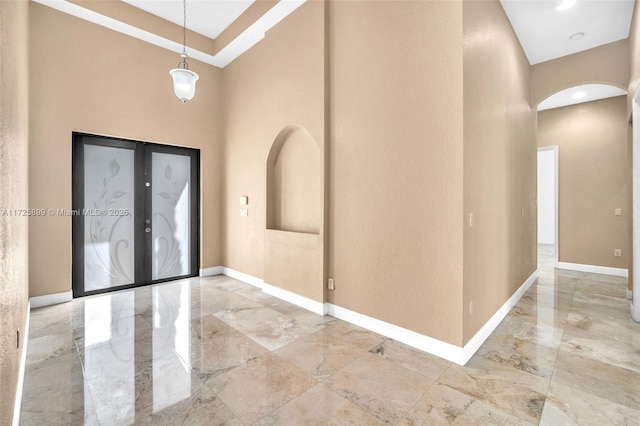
pixel 594 269
pixel 241 276
pixel 209 272
pixel 51 299
pixel 280 293
pixel 448 351
pixel 428 344
pixel 23 363
pixel 288 296
pixel 635 312
pixel 478 339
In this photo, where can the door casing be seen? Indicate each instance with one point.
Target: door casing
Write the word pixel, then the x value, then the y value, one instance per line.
pixel 143 242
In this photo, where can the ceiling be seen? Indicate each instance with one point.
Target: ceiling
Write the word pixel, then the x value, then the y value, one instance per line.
pixel 550 29
pixel 226 28
pixel 545 29
pixel 206 17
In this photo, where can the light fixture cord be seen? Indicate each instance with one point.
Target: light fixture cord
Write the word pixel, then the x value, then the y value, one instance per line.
pixel 184 26
pixel 184 55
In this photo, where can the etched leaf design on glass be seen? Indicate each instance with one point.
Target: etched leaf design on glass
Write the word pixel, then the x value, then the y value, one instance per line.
pixel 114 167
pixel 171 222
pixel 103 230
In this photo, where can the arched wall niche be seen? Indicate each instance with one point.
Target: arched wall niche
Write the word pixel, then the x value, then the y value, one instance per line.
pixel 294 182
pixel 294 250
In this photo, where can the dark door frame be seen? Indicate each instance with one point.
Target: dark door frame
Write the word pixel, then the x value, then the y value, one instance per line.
pixel 142 204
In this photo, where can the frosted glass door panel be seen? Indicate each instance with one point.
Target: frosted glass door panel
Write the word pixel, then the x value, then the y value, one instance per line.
pixel 109 250
pixel 171 213
pixel 135 217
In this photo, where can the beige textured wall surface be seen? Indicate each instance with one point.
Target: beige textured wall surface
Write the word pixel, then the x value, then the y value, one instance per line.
pixel 499 164
pixel 91 79
pixel 593 177
pixel 278 83
pixel 607 64
pixel 14 137
pixel 294 261
pixel 396 203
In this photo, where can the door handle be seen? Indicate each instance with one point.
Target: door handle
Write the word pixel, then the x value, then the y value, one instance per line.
pixel 147 229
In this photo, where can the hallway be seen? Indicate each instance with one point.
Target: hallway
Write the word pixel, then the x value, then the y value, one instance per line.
pixel 217 351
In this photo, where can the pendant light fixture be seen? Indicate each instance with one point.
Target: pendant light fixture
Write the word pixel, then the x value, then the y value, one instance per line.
pixel 184 80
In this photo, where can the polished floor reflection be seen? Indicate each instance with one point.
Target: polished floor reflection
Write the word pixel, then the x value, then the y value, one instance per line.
pixel 217 351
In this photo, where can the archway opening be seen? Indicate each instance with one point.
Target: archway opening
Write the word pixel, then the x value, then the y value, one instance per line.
pixel 585 128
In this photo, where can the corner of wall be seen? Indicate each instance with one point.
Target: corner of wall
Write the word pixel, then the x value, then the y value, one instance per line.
pixel 499 218
pixel 14 228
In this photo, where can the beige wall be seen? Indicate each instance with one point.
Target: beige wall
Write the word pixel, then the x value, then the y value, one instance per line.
pixel 91 79
pixel 499 164
pixel 593 178
pixel 278 83
pixel 607 64
pixel 14 136
pixel 391 244
pixel 395 97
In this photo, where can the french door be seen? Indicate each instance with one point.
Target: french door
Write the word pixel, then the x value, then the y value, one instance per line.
pixel 135 212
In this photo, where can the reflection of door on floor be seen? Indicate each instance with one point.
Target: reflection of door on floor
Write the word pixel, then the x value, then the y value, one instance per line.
pixel 547 199
pixel 135 213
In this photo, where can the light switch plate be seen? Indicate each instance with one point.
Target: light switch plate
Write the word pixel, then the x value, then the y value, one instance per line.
pixel 618 212
pixel 331 284
pixel 244 200
pixel 244 212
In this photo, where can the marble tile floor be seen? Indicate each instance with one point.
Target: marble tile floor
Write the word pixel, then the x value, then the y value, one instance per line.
pixel 217 351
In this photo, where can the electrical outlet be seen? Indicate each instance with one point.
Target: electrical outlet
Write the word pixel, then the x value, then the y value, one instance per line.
pixel 331 284
pixel 244 212
pixel 244 200
pixel 470 220
pixel 617 252
pixel 617 212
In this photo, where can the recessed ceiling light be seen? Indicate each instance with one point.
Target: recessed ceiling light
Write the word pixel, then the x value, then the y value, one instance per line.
pixel 576 36
pixel 578 95
pixel 565 4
